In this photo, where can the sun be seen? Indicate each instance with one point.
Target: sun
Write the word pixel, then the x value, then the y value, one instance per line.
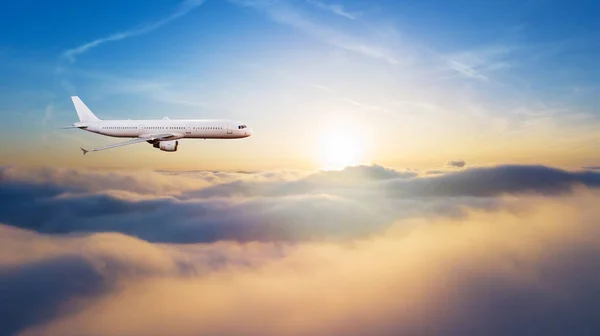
pixel 339 149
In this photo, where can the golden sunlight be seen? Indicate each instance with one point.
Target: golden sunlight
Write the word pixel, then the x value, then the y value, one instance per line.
pixel 339 149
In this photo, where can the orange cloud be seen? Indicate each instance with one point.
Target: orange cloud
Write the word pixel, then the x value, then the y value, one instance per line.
pixel 527 269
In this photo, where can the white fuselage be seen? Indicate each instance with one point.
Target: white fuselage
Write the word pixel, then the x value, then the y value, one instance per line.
pixel 196 129
pixel 160 133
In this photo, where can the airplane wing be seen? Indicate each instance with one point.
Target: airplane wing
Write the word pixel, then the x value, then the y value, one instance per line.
pixel 145 138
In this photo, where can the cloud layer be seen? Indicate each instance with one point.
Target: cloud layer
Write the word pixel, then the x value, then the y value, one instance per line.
pixel 367 250
pixel 277 206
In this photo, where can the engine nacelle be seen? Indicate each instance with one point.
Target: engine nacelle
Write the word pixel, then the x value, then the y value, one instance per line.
pixel 167 146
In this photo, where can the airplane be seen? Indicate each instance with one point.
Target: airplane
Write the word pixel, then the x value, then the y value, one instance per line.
pixel 162 134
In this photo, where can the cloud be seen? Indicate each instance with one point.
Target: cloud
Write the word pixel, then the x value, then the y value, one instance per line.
pixel 353 102
pixel 436 172
pixel 496 181
pixel 144 182
pixel 183 8
pixel 484 59
pixel 365 250
pixel 333 8
pixel 31 293
pixel 331 36
pixel 456 164
pixel 592 167
pixel 466 70
pixel 48 114
pixel 498 273
pixel 287 14
pixel 263 207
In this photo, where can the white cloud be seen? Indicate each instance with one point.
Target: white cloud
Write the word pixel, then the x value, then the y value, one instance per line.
pixel 288 15
pixel 334 8
pixel 353 102
pixel 479 61
pixel 331 36
pixel 183 8
pixel 48 113
pixel 466 70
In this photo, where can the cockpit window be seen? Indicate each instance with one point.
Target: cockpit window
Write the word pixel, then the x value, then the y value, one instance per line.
pixel 241 126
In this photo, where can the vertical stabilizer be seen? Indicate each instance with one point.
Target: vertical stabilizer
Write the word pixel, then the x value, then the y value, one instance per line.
pixel 83 111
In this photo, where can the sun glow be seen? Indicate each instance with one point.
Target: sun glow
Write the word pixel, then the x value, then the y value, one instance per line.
pixel 339 149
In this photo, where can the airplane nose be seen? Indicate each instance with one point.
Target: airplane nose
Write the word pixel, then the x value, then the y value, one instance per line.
pixel 248 131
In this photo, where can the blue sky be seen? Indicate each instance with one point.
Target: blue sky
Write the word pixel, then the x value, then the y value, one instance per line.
pixel 422 81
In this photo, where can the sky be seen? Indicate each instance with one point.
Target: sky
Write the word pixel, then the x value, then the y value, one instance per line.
pixel 416 168
pixel 409 84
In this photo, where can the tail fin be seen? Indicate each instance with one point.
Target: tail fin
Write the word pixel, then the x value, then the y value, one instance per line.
pixel 83 111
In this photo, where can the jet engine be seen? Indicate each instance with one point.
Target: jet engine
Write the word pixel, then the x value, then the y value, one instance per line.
pixel 167 146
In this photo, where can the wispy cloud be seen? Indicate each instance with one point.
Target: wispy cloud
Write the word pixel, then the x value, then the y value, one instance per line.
pixel 183 8
pixel 475 63
pixel 322 87
pixel 466 70
pixel 354 102
pixel 285 13
pixel 331 36
pixel 334 8
pixel 48 113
